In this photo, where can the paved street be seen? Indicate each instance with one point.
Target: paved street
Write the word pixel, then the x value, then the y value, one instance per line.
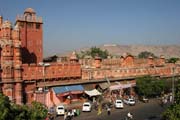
pixel 141 111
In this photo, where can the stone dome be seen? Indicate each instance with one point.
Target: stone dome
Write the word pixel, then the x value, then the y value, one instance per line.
pixel 30 10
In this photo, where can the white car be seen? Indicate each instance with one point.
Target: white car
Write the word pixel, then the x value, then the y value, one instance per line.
pixel 129 101
pixel 86 107
pixel 119 104
pixel 60 110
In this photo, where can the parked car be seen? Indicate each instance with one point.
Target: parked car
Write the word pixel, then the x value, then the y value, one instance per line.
pixel 129 101
pixel 86 107
pixel 119 104
pixel 60 110
pixel 144 99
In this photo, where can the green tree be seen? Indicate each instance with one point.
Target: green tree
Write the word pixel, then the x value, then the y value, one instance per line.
pixel 177 92
pixel 143 86
pixel 173 111
pixel 146 54
pixel 10 111
pixel 158 86
pixel 5 108
pixel 173 60
pixel 93 52
pixel 149 86
pixel 38 111
pixel 21 112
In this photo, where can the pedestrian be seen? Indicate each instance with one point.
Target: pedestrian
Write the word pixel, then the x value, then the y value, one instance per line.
pixel 170 98
pixel 69 115
pixel 74 112
pixel 48 116
pixel 129 116
pixel 99 109
pixel 109 111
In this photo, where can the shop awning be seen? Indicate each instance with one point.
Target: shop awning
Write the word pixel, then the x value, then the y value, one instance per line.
pixel 104 85
pixel 93 92
pixel 122 86
pixel 116 87
pixel 64 89
pixel 88 87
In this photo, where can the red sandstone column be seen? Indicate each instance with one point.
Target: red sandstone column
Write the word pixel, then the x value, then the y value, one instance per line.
pixel 18 93
pixel 17 65
pixel 8 91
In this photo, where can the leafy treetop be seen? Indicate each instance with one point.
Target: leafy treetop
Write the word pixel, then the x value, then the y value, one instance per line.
pixel 10 111
pixel 93 52
pixel 146 54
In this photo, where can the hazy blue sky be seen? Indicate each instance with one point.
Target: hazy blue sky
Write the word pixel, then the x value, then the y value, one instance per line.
pixel 72 24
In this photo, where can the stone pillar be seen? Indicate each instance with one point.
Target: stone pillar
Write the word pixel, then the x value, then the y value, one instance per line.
pixel 8 91
pixel 17 65
pixel 18 96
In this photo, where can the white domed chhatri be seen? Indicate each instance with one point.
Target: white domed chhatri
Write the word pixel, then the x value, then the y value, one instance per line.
pixel 6 24
pixel 30 10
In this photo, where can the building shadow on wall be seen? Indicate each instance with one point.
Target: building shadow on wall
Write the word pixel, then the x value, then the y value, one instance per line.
pixel 28 57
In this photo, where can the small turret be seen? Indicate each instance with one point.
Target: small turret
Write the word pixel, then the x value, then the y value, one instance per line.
pixel 97 62
pixel 73 58
pixel 1 20
pixel 150 61
pixel 7 24
pixel 16 32
pixel 162 60
pixel 16 27
pixel 6 29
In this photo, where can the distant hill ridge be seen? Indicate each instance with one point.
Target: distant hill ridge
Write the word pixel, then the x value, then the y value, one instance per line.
pixel 167 50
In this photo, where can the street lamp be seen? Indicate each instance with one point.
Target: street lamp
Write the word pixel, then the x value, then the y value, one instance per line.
pixel 44 65
pixel 173 79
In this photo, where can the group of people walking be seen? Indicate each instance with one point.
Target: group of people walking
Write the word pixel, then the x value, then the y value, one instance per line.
pixel 165 99
pixel 70 114
pixel 128 117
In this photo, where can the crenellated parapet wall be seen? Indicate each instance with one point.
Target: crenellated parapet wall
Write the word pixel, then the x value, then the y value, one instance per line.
pixel 90 74
pixel 53 71
pixel 125 66
pixel 128 61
